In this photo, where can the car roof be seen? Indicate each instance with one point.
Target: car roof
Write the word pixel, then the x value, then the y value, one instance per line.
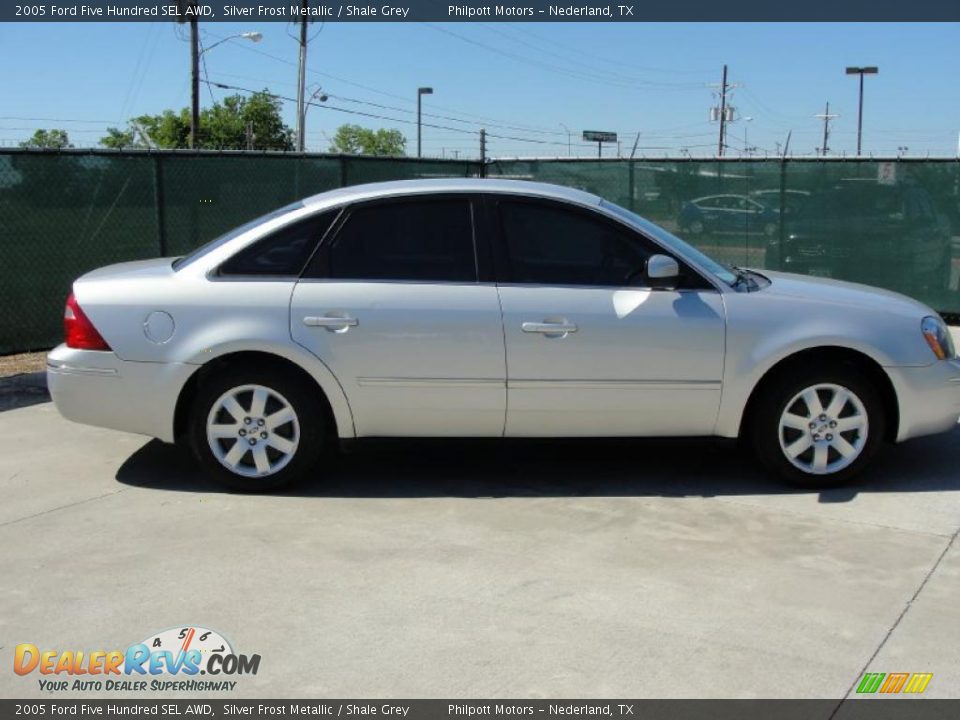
pixel 714 197
pixel 396 188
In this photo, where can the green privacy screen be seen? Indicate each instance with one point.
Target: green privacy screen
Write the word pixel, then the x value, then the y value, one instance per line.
pixel 894 224
pixel 891 224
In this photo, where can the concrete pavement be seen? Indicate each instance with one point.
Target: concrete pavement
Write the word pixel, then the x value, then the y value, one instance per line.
pixel 546 569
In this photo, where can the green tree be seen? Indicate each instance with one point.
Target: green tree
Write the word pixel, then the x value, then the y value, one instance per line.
pixel 223 126
pixel 118 139
pixel 356 140
pixel 48 139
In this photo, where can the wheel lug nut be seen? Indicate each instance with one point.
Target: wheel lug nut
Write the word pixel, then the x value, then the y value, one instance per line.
pixel 816 436
pixel 829 436
pixel 263 435
pixel 813 425
pixel 242 432
pixel 823 417
pixel 253 441
pixel 833 423
pixel 246 421
pixel 260 422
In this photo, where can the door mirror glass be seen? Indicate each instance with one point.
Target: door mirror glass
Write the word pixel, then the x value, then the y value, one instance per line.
pixel 663 272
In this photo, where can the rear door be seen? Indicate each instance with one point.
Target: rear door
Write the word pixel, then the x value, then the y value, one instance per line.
pixel 394 304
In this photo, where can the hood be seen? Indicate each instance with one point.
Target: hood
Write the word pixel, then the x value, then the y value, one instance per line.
pixel 838 292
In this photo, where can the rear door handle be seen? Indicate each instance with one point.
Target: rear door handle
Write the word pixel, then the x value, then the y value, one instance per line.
pixel 336 324
pixel 548 328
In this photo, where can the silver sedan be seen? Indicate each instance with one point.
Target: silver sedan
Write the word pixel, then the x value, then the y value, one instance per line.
pixel 486 308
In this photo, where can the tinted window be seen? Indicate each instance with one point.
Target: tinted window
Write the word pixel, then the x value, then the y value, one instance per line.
pixel 408 240
pixel 282 253
pixel 552 245
pixel 236 232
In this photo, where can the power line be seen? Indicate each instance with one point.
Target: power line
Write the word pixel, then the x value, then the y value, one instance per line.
pixel 579 75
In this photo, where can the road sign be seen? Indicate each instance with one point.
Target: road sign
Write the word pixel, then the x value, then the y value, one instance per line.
pixel 599 136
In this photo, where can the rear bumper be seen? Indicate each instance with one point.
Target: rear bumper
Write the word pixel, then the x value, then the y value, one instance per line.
pixel 929 398
pixel 98 388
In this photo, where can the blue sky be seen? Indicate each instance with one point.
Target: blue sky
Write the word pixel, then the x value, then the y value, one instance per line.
pixel 530 83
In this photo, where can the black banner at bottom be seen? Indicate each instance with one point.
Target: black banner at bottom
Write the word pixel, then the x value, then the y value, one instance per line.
pixel 875 708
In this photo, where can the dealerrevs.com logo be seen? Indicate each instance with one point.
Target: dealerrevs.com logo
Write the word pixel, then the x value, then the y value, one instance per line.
pixel 170 661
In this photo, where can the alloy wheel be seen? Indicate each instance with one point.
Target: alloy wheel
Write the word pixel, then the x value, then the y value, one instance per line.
pixel 253 431
pixel 823 429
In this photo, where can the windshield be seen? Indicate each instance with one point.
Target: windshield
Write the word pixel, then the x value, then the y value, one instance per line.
pixel 674 244
pixel 236 232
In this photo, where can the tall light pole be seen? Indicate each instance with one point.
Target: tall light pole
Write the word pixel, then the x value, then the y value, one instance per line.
pixel 568 138
pixel 861 71
pixel 746 146
pixel 420 93
pixel 320 95
pixel 195 53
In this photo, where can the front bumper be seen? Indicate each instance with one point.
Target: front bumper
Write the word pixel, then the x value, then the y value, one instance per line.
pixel 98 388
pixel 929 398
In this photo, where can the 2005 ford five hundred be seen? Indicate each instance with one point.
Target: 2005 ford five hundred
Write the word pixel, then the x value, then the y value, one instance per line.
pixel 486 308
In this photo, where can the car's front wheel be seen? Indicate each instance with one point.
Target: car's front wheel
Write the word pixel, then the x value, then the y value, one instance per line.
pixel 818 428
pixel 256 430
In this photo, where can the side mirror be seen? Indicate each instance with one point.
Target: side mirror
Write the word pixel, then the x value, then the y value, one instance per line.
pixel 663 272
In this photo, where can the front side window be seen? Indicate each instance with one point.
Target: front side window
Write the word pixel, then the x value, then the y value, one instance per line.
pixel 284 252
pixel 552 245
pixel 417 240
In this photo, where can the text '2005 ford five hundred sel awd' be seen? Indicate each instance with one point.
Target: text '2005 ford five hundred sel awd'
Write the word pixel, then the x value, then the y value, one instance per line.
pixel 487 308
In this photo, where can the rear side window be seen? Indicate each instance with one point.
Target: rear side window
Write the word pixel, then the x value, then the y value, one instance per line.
pixel 419 240
pixel 282 253
pixel 236 232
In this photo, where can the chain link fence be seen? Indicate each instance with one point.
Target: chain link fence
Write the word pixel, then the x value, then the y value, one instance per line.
pixel 65 213
pixel 895 224
pixel 890 223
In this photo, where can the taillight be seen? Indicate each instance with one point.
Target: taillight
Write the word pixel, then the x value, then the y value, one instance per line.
pixel 78 330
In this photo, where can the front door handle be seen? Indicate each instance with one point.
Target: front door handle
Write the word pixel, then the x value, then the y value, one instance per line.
pixel 334 324
pixel 548 328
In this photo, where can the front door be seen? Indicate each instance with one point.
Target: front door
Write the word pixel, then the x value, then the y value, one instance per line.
pixel 592 350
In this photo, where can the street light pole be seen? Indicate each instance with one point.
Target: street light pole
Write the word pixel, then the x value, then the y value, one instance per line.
pixel 569 153
pixel 746 144
pixel 861 71
pixel 306 106
pixel 420 93
pixel 195 53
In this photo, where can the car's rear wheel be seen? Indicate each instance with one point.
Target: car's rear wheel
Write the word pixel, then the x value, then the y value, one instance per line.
pixel 696 228
pixel 256 430
pixel 818 428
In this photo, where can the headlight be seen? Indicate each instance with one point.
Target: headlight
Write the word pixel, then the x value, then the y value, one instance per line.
pixel 938 337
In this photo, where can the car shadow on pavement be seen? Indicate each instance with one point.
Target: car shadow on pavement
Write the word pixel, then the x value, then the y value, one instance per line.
pixel 23 390
pixel 557 468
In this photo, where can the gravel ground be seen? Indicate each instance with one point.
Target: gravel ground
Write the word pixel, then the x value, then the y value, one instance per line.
pixel 23 363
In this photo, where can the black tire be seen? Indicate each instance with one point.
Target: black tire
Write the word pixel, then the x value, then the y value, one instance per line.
pixel 308 427
pixel 765 431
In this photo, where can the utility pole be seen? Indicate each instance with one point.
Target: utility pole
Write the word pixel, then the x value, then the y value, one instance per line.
pixel 302 78
pixel 194 81
pixel 826 117
pixel 483 152
pixel 723 111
